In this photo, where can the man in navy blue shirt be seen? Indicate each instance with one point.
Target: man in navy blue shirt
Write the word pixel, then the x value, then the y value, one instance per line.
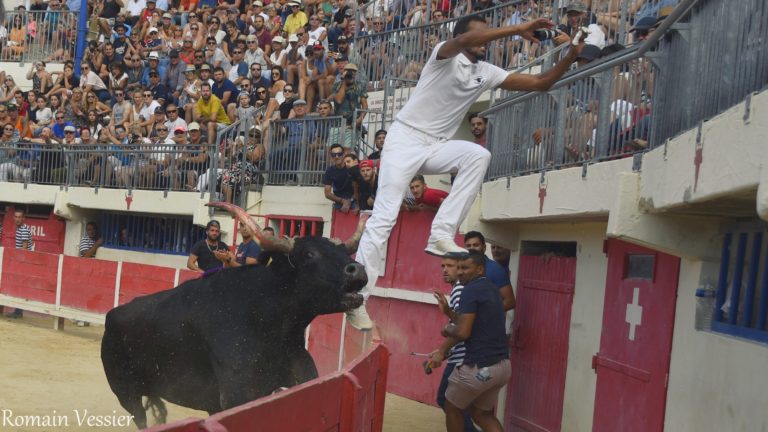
pixel 485 369
pixel 247 252
pixel 222 87
pixel 475 241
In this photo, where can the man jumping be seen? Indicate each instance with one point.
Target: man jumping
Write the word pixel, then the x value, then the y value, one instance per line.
pixel 419 140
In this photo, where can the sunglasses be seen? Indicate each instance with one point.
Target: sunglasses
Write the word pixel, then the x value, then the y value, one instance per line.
pixel 211 43
pixel 170 111
pixel 261 92
pixel 236 52
pixel 299 34
pixel 337 155
pixel 67 132
pixel 181 132
pixel 8 129
pixel 194 28
pixel 147 94
pixel 287 90
pixel 251 42
pixel 57 118
pixel 197 56
pixel 162 130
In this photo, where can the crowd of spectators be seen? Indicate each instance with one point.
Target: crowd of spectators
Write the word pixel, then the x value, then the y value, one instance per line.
pixel 160 80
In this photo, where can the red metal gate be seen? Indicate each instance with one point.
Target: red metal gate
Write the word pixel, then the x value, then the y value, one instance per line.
pixel 638 318
pixel 540 343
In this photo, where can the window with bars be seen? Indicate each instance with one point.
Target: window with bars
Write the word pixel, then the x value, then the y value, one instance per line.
pixel 150 233
pixel 295 226
pixel 741 306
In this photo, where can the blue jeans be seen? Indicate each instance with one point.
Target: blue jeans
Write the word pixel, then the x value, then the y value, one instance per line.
pixel 449 367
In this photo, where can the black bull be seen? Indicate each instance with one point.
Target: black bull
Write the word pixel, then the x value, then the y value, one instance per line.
pixel 218 342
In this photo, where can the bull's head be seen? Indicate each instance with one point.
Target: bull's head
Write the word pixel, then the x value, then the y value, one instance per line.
pixel 317 262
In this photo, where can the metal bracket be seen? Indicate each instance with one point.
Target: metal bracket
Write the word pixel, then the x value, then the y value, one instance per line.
pixel 165 193
pixel 509 182
pixel 637 162
pixel 747 108
pixel 96 190
pixel 699 128
pixel 683 29
pixel 666 143
pixel 584 170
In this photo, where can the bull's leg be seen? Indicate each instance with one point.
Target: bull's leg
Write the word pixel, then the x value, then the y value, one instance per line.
pixel 119 374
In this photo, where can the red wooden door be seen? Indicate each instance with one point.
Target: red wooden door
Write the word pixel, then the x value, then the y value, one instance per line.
pixel 539 343
pixel 638 318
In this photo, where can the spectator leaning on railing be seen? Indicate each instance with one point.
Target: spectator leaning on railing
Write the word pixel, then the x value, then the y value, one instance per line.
pixel 341 187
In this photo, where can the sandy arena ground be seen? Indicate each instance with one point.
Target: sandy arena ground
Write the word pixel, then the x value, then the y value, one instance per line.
pixel 44 372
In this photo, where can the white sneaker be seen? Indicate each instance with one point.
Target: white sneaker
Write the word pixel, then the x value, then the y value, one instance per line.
pixel 444 247
pixel 359 319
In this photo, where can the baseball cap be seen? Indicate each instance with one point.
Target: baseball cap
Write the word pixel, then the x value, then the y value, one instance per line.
pixel 589 52
pixel 278 39
pixel 295 3
pixel 213 222
pixel 190 68
pixel 205 66
pixel 367 163
pixel 258 3
pixel 576 6
pixel 351 66
pixel 644 23
pixel 153 73
pixel 255 128
pixel 152 29
pixel 299 102
pixel 318 46
pixel 251 38
pixel 167 15
pixel 292 38
pixel 159 110
pixel 69 128
pixel 154 55
pixel 173 53
pixel 193 126
pixel 180 129
pixel 341 39
pixel 349 13
pixel 342 58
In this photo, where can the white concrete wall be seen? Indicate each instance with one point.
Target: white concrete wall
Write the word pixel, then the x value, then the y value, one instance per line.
pixel 19 71
pixel 716 382
pixel 586 312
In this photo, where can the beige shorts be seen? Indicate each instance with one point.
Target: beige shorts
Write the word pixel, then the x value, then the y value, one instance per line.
pixel 465 388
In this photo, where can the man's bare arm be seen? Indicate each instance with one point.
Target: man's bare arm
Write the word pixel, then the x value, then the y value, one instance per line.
pixel 470 39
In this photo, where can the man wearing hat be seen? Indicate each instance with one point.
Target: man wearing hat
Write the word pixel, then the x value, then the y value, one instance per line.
pixel 349 95
pixel 577 15
pixel 297 19
pixel 202 256
pixel 369 184
pixel 173 80
pixel 420 138
pixel 159 91
pixel 153 64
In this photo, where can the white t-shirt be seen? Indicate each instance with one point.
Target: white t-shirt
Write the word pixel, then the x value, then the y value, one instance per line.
pixel 94 80
pixel 147 111
pixel 314 35
pixel 135 7
pixel 446 91
pixel 44 116
pixel 172 125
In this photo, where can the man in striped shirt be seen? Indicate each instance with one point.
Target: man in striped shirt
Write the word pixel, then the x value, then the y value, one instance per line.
pixel 23 241
pixel 91 241
pixel 456 354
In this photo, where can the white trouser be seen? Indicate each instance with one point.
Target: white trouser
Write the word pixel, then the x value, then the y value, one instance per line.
pixel 408 152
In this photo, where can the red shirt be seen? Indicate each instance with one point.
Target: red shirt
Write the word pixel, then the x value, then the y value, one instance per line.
pixel 432 197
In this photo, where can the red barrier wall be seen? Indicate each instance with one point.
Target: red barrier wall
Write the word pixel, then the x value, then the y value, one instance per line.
pixel 88 284
pixel 351 400
pixel 30 275
pixel 141 279
pixel 324 342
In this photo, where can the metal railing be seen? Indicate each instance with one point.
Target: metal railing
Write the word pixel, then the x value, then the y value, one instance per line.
pixel 637 98
pixel 400 50
pixel 297 149
pixel 39 35
pixel 138 165
pixel 240 165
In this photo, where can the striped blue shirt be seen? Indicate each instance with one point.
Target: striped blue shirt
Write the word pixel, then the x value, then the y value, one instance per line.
pixel 23 233
pixel 458 351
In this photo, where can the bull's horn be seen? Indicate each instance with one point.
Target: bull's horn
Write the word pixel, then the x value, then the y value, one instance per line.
pixel 284 245
pixel 354 240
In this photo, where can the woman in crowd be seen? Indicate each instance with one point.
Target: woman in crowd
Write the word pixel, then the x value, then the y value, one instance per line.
pixel 17 40
pixel 41 79
pixel 190 92
pixel 276 90
pixel 93 103
pixel 244 170
pixel 8 91
pixel 92 125
pixel 118 79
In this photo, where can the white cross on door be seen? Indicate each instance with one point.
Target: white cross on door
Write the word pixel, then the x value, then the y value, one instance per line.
pixel 634 314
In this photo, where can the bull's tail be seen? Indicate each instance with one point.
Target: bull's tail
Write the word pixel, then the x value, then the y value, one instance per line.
pixel 159 412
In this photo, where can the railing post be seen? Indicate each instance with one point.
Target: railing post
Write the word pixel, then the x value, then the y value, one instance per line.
pixel 558 151
pixel 605 90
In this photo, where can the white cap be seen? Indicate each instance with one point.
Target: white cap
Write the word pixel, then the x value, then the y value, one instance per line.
pixel 152 29
pixel 293 38
pixel 154 55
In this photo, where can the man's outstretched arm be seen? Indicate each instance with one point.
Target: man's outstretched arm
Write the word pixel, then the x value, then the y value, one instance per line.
pixel 477 38
pixel 545 80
